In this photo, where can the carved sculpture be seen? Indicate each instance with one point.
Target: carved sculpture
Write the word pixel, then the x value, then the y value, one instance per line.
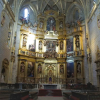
pixel 3 18
pixel 24 40
pixel 5 65
pixel 77 41
pixel 40 45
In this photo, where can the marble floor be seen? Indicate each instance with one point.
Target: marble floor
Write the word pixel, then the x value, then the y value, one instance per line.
pixel 49 98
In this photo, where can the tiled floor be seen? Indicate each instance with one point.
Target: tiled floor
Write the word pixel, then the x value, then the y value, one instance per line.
pixel 50 98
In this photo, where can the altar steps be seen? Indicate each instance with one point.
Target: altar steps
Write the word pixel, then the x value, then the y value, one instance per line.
pixel 50 92
pixel 49 98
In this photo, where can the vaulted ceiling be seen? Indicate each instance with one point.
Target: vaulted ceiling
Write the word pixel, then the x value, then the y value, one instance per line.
pixel 40 5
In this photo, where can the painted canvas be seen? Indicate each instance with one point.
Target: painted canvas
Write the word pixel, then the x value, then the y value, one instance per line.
pixel 30 70
pixel 32 46
pixel 70 69
pixel 70 45
pixel 51 24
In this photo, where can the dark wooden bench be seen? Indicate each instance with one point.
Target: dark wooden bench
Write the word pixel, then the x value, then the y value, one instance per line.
pixel 5 95
pixel 24 95
pixel 33 95
pixel 66 95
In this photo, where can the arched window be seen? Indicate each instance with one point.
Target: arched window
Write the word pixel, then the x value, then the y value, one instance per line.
pixel 26 13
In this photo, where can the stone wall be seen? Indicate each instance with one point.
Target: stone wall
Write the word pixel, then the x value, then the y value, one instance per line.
pixel 5 50
pixel 94 41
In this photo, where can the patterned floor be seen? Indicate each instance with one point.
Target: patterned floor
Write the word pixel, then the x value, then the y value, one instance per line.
pixel 50 98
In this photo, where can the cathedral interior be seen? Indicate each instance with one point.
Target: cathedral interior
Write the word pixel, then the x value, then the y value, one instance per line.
pixel 50 45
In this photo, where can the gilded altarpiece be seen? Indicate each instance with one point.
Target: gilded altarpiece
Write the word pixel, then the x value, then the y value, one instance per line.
pixel 51 56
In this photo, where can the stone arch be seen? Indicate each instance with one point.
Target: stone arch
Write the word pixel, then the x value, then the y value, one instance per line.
pixel 31 7
pixel 71 10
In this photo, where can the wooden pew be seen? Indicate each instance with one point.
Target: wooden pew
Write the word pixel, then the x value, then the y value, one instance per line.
pixel 66 95
pixel 5 95
pixel 33 95
pixel 24 95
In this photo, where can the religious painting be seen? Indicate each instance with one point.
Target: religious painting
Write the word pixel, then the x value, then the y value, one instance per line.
pixel 32 46
pixel 70 45
pixel 51 24
pixel 39 69
pixel 40 45
pixel 61 45
pixel 30 70
pixel 51 46
pixel 70 69
pixel 61 69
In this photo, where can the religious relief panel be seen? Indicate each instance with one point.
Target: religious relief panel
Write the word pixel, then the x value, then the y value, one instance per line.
pixel 70 45
pixel 70 69
pixel 32 46
pixel 51 24
pixel 51 46
pixel 50 49
pixel 30 69
pixel 61 69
